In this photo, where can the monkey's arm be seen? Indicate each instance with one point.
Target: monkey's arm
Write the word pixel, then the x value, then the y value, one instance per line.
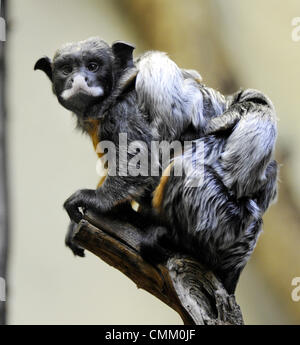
pixel 239 105
pixel 129 176
pixel 114 191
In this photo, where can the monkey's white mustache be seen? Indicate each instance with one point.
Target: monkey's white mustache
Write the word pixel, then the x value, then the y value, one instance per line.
pixel 80 85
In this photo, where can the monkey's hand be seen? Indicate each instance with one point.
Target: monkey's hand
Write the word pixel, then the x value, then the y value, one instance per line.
pixel 85 199
pixel 227 120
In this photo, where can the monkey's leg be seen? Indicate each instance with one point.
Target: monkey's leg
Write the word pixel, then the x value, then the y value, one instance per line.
pixel 155 247
pixel 208 222
pixel 230 278
pixel 235 257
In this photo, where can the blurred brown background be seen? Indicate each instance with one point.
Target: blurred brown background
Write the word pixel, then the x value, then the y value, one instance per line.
pixel 232 44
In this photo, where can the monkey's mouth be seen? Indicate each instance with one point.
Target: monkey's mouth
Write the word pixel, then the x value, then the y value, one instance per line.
pixel 82 91
pixel 80 100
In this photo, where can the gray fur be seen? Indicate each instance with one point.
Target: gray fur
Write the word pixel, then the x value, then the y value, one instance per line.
pixel 219 221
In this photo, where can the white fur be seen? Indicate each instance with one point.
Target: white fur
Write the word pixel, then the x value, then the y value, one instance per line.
pixel 80 85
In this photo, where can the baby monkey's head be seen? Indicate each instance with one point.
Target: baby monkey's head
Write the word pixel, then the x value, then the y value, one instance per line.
pixel 84 73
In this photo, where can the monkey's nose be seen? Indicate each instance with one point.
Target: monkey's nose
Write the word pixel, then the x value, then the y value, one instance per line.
pixel 79 80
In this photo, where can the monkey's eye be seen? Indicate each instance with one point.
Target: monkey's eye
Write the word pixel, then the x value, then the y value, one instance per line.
pixel 67 69
pixel 93 67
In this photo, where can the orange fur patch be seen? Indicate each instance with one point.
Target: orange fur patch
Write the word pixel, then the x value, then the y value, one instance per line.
pixel 93 133
pixel 92 129
pixel 158 194
pixel 101 181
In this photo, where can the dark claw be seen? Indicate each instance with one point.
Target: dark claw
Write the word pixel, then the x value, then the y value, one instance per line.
pixel 77 251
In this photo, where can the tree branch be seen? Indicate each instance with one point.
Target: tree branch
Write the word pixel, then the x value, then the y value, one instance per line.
pixel 182 283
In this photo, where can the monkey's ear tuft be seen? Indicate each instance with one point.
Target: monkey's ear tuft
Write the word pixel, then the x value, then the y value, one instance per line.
pixel 44 64
pixel 123 52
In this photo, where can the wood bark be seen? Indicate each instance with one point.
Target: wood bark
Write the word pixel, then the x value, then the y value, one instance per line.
pixel 182 283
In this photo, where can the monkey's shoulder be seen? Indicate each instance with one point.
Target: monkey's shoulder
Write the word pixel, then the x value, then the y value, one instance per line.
pixel 125 117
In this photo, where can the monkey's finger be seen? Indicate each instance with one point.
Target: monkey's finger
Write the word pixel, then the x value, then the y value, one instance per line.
pixel 73 211
pixel 77 250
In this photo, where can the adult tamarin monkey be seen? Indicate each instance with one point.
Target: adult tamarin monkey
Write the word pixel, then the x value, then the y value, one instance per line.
pixel 149 99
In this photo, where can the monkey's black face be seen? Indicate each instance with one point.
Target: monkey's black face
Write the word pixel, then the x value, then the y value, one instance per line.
pixel 82 78
pixel 84 73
